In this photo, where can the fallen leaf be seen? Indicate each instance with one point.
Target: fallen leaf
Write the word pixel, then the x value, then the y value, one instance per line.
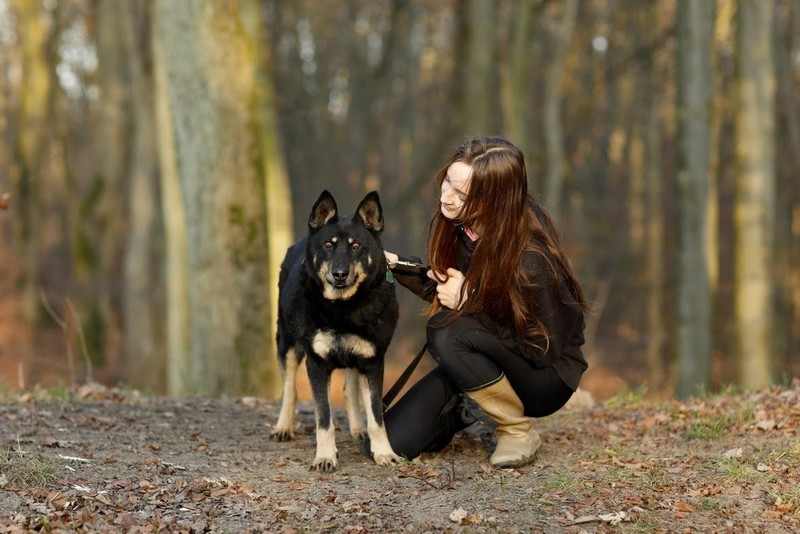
pixel 472 519
pixel 733 453
pixel 4 201
pixel 626 465
pixel 766 425
pixel 431 473
pixel 457 515
pixel 683 507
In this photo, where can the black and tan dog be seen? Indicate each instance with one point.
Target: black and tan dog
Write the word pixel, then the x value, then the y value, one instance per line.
pixel 337 307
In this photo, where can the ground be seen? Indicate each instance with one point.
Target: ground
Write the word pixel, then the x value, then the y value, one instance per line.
pixel 100 460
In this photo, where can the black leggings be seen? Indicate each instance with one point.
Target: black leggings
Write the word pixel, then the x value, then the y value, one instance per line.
pixel 470 357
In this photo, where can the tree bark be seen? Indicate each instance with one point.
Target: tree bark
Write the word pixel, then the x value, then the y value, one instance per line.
pixel 516 74
pixel 212 92
pixel 145 358
pixel 695 37
pixel 32 145
pixel 755 192
pixel 278 194
pixel 553 134
pixel 108 222
pixel 479 94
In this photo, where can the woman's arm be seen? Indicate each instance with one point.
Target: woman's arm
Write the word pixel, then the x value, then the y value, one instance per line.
pixel 416 280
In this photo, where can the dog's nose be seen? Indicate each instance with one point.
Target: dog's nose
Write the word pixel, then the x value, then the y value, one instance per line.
pixel 340 275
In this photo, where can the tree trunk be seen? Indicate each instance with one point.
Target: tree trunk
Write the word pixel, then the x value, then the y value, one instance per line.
pixel 787 230
pixel 145 362
pixel 516 70
pixel 553 135
pixel 32 144
pixel 654 239
pixel 755 192
pixel 278 194
pixel 178 378
pixel 210 86
pixel 479 93
pixel 695 37
pixel 108 222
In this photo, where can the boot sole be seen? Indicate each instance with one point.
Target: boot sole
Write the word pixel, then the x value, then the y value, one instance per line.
pixel 525 460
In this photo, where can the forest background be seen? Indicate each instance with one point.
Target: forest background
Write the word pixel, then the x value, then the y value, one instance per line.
pixel 157 157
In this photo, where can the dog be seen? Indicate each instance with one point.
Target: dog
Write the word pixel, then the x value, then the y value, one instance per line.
pixel 337 308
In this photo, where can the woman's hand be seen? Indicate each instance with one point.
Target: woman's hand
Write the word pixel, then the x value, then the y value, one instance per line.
pixel 449 292
pixel 391 257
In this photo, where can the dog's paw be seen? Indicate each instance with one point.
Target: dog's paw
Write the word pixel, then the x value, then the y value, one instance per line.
pixel 280 434
pixel 324 465
pixel 386 459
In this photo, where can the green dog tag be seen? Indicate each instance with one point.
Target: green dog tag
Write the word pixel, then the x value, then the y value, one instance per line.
pixel 389 276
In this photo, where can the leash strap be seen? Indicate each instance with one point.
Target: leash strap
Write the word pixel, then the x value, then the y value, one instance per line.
pixel 395 389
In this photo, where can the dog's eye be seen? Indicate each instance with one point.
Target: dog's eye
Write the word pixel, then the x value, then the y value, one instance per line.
pixel 328 245
pixel 356 246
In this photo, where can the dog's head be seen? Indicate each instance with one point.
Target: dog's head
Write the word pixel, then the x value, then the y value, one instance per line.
pixel 345 253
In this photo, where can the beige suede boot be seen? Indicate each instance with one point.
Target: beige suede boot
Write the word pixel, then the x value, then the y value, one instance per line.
pixel 517 441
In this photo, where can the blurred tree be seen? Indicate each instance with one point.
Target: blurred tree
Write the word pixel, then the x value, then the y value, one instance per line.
pixel 787 214
pixel 210 82
pixel 104 219
pixel 278 195
pixel 175 250
pixel 755 192
pixel 653 249
pixel 553 96
pixel 480 69
pixel 695 36
pixel 516 72
pixel 143 309
pixel 36 31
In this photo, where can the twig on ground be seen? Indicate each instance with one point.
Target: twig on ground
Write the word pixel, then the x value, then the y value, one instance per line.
pixel 62 324
pixel 83 341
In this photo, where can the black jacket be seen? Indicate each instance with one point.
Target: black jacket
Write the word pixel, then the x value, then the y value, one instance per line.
pixel 561 315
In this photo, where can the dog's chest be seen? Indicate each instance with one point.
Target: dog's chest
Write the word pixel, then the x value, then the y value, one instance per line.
pixel 337 347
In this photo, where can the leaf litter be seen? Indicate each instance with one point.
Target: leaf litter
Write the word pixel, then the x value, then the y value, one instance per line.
pixel 126 462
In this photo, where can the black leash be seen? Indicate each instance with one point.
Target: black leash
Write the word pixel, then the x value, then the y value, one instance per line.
pixel 395 389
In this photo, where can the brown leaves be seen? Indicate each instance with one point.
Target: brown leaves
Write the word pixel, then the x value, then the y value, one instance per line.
pixel 607 466
pixel 460 516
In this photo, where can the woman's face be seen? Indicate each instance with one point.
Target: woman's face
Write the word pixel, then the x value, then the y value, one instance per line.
pixel 455 187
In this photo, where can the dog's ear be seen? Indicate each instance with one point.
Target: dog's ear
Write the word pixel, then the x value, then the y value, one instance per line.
pixel 371 213
pixel 323 212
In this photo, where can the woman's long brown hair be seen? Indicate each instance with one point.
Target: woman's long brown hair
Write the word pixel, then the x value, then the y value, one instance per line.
pixel 511 223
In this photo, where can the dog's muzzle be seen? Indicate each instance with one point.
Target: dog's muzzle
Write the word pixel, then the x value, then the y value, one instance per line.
pixel 341 278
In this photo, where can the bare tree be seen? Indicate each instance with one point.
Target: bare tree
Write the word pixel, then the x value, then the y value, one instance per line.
pixel 479 93
pixel 145 356
pixel 553 131
pixel 695 33
pixel 654 222
pixel 207 80
pixel 755 191
pixel 32 142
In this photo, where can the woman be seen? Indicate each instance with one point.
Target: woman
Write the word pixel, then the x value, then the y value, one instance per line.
pixel 506 311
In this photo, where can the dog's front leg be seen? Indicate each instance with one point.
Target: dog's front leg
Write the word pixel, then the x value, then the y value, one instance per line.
pixel 352 397
pixel 320 379
pixel 370 384
pixel 282 431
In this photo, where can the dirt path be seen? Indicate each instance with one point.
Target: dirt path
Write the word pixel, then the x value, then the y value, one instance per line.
pixel 119 462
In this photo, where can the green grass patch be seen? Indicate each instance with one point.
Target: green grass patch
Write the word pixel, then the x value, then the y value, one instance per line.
pixel 562 481
pixel 628 397
pixel 709 504
pixel 27 469
pixel 709 426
